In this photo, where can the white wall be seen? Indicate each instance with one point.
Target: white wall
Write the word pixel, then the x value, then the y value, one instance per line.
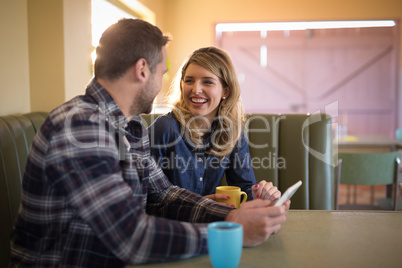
pixel 77 46
pixel 14 67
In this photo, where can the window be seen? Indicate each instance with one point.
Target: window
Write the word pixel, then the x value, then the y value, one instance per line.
pixel 107 12
pixel 288 67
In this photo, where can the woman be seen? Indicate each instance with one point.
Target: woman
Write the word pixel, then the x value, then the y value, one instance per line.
pixel 202 138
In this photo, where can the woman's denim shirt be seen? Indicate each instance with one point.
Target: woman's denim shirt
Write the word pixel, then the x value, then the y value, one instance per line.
pixel 194 169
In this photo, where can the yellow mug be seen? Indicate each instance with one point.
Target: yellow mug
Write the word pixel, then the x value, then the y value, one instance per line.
pixel 234 193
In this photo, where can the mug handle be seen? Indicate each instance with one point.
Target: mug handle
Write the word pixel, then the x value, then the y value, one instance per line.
pixel 244 197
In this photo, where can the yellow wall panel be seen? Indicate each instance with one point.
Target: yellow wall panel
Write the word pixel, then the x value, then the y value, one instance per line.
pixel 46 54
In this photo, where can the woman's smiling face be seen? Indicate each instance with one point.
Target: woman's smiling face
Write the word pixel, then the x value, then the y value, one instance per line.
pixel 202 91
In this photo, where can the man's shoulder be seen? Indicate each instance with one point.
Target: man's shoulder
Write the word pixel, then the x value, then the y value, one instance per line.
pixel 78 109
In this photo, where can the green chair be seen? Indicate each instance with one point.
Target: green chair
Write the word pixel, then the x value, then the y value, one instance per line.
pixel 398 134
pixel 148 119
pixel 16 135
pixel 369 169
pixel 286 148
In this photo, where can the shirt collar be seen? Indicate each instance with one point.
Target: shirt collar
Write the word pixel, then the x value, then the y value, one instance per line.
pixel 107 105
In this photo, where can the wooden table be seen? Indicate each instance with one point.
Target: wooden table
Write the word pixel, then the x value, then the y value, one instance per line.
pixel 368 144
pixel 323 239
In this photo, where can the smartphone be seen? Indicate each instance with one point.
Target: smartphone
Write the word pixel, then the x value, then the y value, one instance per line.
pixel 288 193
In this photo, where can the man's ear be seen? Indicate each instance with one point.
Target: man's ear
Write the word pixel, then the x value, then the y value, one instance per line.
pixel 141 70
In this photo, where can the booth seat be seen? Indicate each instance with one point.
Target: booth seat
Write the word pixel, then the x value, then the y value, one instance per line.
pixel 16 135
pixel 283 148
pixel 291 147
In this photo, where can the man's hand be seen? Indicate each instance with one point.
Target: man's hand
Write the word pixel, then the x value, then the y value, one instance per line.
pixel 259 220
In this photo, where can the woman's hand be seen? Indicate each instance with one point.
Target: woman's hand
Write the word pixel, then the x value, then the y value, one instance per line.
pixel 266 191
pixel 219 197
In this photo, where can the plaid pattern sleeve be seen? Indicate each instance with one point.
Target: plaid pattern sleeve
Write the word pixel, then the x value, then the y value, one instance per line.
pixel 85 192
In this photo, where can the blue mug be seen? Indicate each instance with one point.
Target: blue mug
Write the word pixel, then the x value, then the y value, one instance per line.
pixel 225 244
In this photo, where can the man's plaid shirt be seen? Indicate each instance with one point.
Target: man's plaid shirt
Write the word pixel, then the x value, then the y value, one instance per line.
pixel 94 197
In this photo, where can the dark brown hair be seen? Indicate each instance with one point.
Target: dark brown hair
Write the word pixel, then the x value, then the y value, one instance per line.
pixel 124 43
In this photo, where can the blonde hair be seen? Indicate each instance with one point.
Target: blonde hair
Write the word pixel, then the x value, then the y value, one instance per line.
pixel 230 116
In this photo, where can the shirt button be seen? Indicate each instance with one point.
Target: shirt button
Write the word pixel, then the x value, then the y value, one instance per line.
pixel 200 178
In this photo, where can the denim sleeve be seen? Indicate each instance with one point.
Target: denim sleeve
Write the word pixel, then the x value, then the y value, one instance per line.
pixel 240 171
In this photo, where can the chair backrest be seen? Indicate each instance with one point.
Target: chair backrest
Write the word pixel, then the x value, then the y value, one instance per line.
pixel 16 135
pixel 148 119
pixel 291 147
pixel 398 134
pixel 369 169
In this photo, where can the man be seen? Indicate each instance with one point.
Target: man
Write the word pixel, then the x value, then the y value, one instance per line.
pixel 93 196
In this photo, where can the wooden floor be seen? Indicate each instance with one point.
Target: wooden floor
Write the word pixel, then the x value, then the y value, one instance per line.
pixel 366 196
